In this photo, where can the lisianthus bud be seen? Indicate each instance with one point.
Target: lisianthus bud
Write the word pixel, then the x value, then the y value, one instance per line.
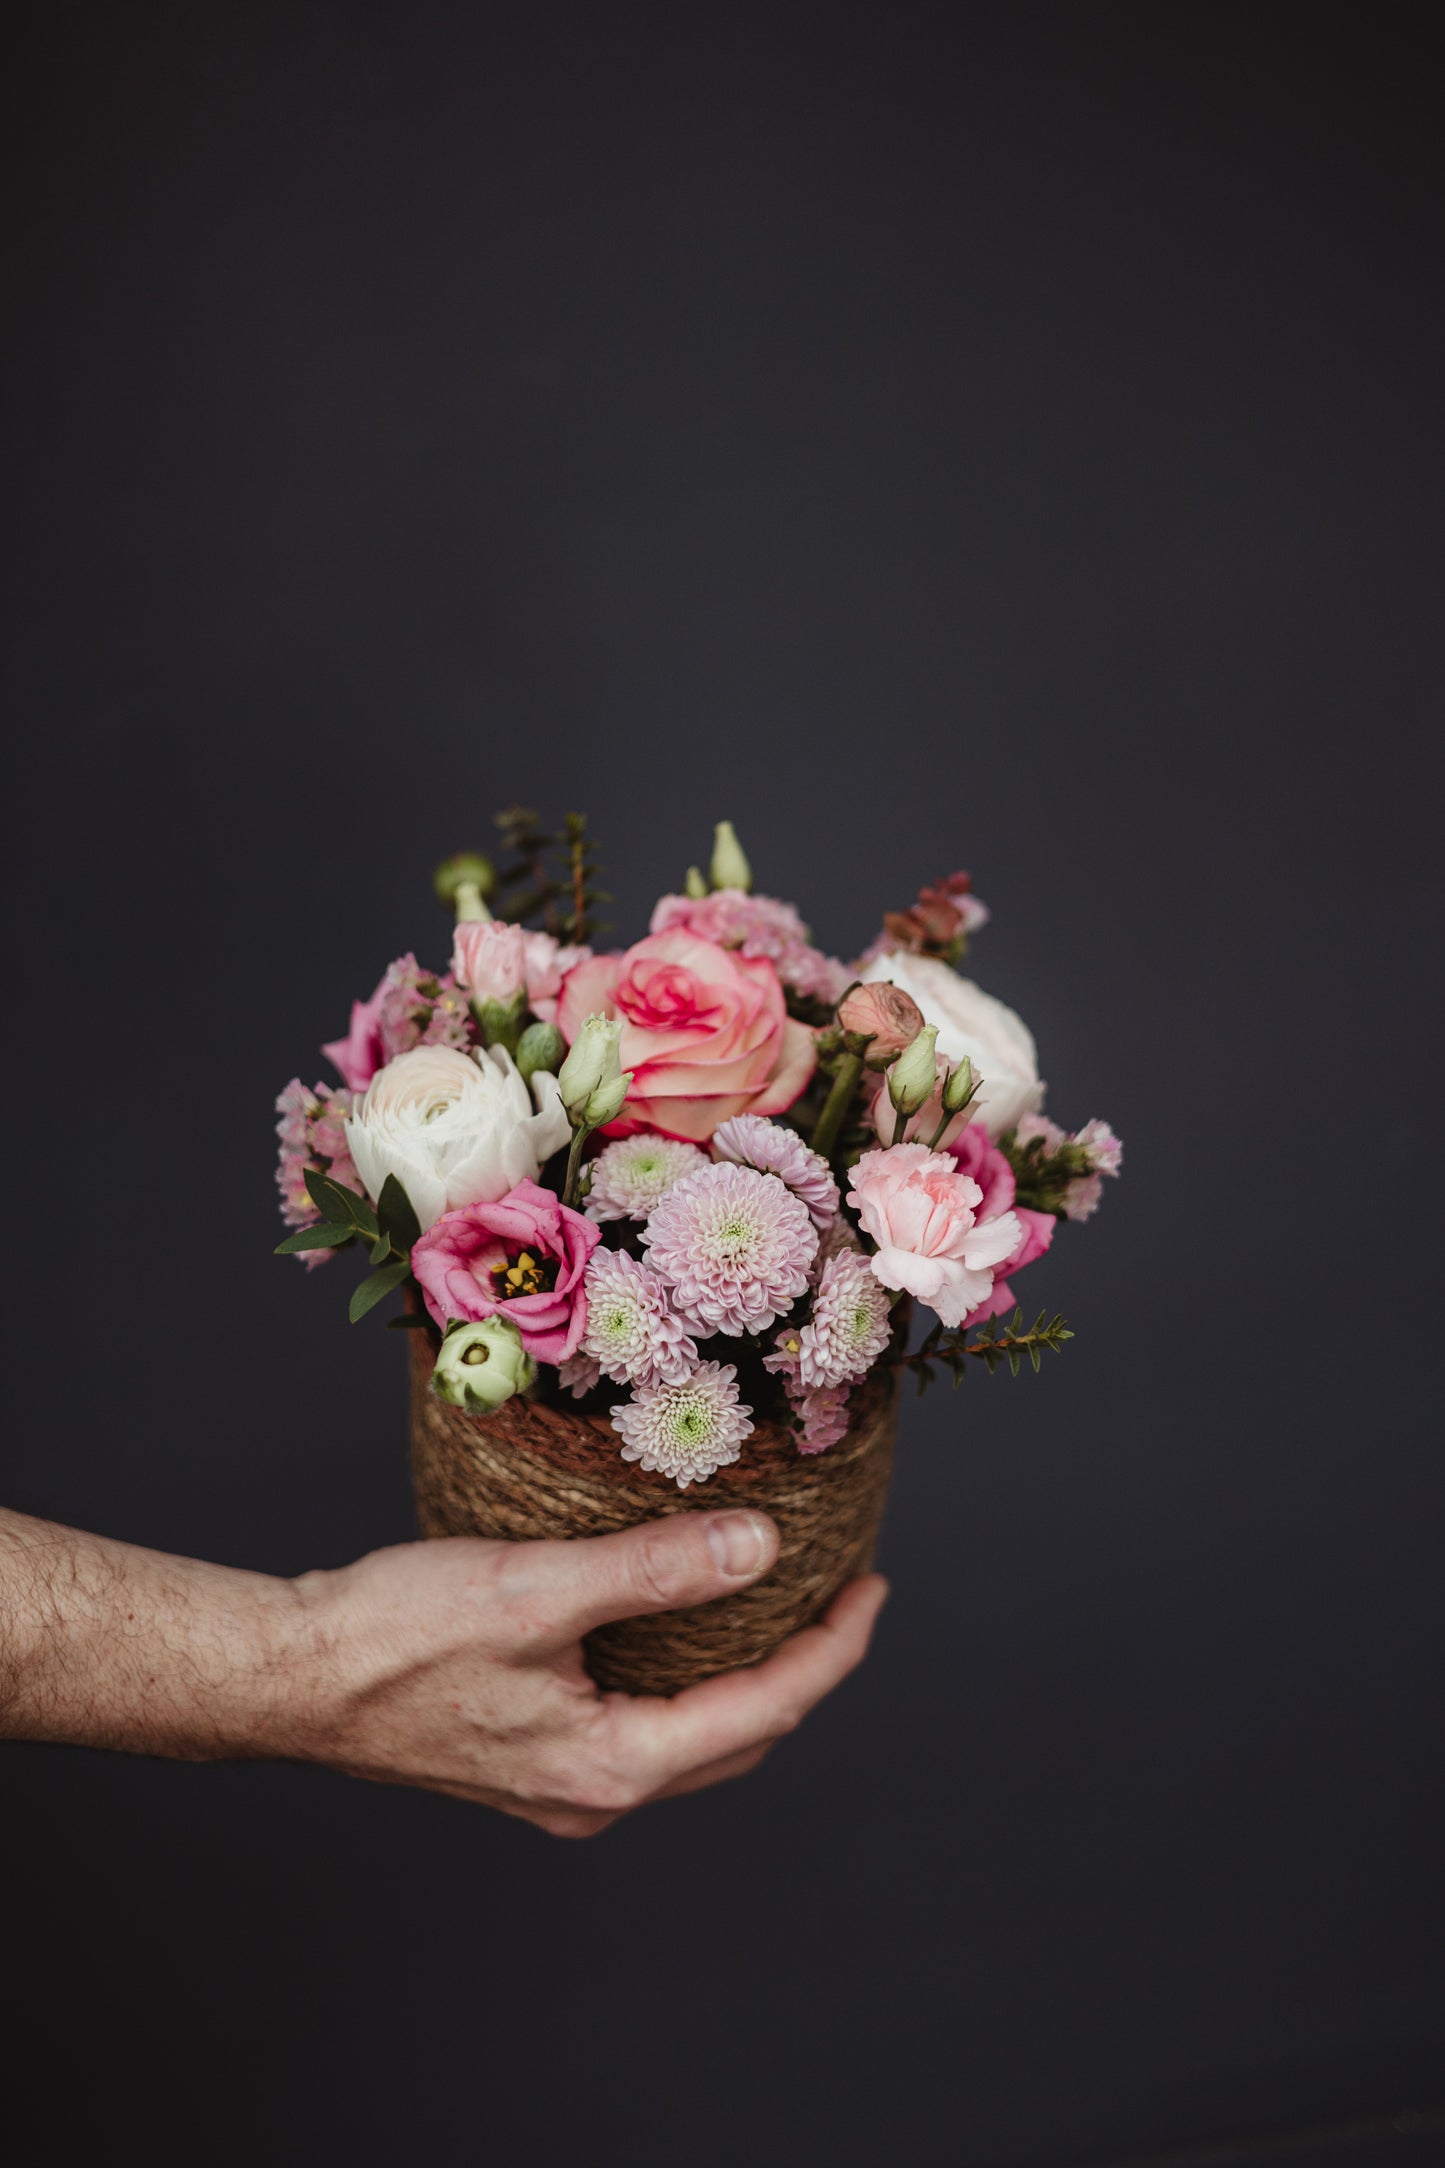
pixel 591 1065
pixel 482 1365
pixel 729 868
pixel 912 1077
pixel 541 1046
pixel 468 868
pixel 606 1102
pixel 959 1087
pixel 694 885
pixel 883 1014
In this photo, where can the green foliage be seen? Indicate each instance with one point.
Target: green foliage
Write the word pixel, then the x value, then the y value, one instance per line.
pixel 394 1210
pixel 564 896
pixel 369 1292
pixel 1041 1176
pixel 948 1348
pixel 388 1234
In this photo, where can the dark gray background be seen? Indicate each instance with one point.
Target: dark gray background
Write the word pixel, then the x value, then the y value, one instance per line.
pixel 929 436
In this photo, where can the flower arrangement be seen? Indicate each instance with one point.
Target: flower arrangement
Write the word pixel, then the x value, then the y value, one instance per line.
pixel 694 1186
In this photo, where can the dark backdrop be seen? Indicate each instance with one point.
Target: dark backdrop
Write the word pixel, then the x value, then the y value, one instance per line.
pixel 929 436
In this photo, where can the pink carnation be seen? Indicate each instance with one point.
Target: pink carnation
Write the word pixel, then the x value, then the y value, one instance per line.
pixel 523 1258
pixel 494 961
pixel 758 926
pixel 920 1211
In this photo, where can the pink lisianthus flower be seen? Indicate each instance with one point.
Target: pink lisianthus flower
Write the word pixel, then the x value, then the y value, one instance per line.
pixel 985 1164
pixel 705 1032
pixel 922 1214
pixel 758 926
pixel 522 1258
pixel 410 1007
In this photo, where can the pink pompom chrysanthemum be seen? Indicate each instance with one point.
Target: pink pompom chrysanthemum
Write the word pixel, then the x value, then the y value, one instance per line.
pixel 631 1332
pixel 849 1327
pixel 734 1246
pixel 633 1175
pixel 578 1375
pixel 689 1430
pixel 751 1140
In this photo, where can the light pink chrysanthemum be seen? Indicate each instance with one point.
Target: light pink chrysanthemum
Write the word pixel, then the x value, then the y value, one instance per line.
pixel 688 1430
pixel 1105 1150
pixel 578 1375
pixel 631 1331
pixel 312 1136
pixel 633 1175
pixel 837 1240
pixel 751 1140
pixel 759 926
pixel 734 1246
pixel 821 1416
pixel 849 1328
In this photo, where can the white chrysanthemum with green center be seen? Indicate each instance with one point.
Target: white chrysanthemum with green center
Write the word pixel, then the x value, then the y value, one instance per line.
pixel 734 1246
pixel 849 1328
pixel 633 1175
pixel 686 1431
pixel 631 1332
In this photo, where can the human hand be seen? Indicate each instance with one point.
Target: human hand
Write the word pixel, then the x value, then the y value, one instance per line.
pixel 456 1665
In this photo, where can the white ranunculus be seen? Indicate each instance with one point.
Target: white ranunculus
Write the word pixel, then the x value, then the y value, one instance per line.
pixel 454 1128
pixel 999 1044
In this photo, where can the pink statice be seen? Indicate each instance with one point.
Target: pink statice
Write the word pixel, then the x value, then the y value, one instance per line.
pixel 632 1333
pixel 849 1327
pixel 734 1246
pixel 409 1007
pixel 759 926
pixel 751 1140
pixel 687 1430
pixel 632 1176
pixel 1105 1150
pixel 1030 1126
pixel 313 1135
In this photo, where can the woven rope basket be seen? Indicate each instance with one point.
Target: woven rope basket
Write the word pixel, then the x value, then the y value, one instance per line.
pixel 530 1471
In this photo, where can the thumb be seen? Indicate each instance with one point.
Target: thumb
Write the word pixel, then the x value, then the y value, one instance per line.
pixel 567 1588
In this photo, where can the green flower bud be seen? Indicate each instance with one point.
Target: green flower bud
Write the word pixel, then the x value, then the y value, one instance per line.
pixel 482 1365
pixel 729 868
pixel 500 1022
pixel 912 1077
pixel 465 868
pixel 541 1046
pixel 607 1101
pixel 694 885
pixel 591 1064
pixel 959 1087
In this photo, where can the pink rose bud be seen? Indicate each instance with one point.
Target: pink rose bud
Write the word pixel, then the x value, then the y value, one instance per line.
pixel 886 1015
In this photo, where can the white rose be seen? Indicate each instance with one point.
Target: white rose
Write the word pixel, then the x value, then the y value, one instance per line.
pixel 454 1128
pixel 998 1043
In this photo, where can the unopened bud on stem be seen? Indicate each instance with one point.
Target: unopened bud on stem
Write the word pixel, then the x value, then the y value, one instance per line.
pixel 589 1076
pixel 959 1087
pixel 912 1077
pixel 729 868
pixel 464 881
pixel 541 1046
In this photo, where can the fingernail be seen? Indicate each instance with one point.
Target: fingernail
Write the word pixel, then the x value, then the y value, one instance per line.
pixel 739 1543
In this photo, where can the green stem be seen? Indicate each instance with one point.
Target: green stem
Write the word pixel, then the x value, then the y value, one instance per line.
pixel 574 1161
pixel 900 1126
pixel 837 1103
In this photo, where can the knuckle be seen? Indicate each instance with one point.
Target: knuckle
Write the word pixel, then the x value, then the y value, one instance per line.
pixel 659 1566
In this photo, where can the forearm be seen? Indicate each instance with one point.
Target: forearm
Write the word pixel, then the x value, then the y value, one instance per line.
pixel 105 1644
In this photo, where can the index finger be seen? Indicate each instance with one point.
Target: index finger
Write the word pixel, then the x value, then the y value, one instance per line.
pixel 742 1709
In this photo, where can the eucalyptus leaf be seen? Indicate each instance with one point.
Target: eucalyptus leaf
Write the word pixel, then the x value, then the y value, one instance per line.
pixel 380 1250
pixel 325 1237
pixel 375 1286
pixel 397 1215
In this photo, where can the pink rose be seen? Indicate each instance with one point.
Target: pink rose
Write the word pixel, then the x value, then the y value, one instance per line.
pixel 522 1258
pixel 705 1032
pixel 985 1164
pixel 923 1215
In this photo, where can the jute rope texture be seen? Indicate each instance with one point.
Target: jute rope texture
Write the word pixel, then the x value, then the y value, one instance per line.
pixel 529 1471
